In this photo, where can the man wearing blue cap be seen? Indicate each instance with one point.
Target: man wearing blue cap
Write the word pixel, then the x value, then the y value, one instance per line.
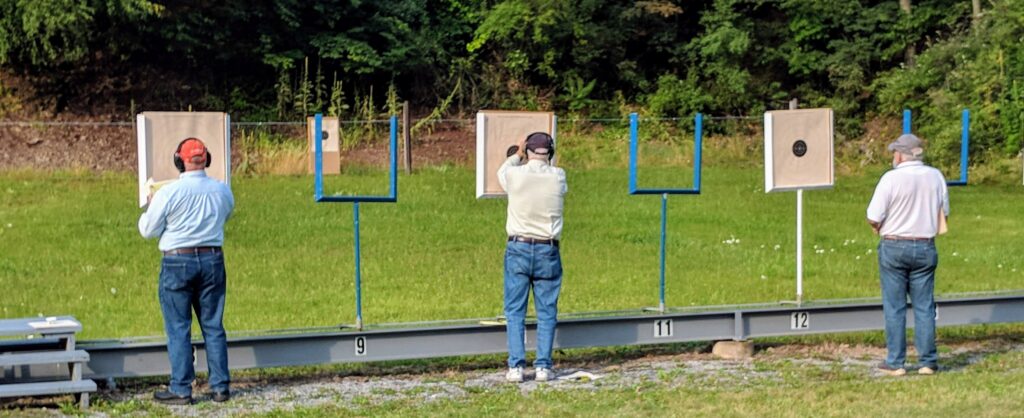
pixel 908 209
pixel 536 191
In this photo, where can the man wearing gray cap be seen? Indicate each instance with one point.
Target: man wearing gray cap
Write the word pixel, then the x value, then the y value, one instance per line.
pixel 536 191
pixel 908 209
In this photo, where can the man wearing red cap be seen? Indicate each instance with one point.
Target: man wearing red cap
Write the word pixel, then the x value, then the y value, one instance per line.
pixel 188 216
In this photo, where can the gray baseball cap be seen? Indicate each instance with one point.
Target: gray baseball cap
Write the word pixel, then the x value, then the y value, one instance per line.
pixel 908 144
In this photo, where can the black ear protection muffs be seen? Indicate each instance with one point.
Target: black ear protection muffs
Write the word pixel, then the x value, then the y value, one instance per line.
pixel 550 143
pixel 180 164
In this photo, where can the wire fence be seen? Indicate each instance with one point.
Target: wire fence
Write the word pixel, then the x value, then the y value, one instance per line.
pixel 47 123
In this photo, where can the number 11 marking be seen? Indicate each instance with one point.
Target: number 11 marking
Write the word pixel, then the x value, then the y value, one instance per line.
pixel 663 328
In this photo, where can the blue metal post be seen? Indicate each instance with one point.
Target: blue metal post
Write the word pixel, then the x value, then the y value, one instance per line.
pixel 698 139
pixel 664 216
pixel 965 138
pixel 394 158
pixel 359 282
pixel 318 158
pixel 906 121
pixel 633 121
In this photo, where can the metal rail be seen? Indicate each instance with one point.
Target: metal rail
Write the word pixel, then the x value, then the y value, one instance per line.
pixel 110 359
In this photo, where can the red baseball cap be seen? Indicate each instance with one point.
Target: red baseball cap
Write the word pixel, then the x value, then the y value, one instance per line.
pixel 192 147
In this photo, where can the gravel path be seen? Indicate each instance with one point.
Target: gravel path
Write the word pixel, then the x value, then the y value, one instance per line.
pixel 694 370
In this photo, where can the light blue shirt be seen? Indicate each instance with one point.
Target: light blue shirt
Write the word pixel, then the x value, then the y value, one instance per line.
pixel 188 213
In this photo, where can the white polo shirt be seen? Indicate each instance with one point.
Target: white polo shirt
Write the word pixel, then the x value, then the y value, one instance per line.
pixel 907 201
pixel 536 193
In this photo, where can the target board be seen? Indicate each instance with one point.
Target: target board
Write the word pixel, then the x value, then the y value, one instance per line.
pixel 497 130
pixel 330 145
pixel 798 150
pixel 158 135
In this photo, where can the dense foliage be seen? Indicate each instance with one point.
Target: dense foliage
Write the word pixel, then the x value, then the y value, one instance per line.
pixel 285 58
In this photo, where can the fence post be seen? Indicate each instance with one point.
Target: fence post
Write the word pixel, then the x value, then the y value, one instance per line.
pixel 406 137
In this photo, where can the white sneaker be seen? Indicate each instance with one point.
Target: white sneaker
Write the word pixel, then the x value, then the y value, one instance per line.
pixel 514 374
pixel 544 374
pixel 926 371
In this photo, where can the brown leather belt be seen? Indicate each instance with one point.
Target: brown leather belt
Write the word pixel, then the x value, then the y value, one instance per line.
pixel 193 250
pixel 896 238
pixel 529 240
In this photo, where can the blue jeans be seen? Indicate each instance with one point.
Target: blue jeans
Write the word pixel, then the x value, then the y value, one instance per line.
pixel 538 266
pixel 908 267
pixel 187 282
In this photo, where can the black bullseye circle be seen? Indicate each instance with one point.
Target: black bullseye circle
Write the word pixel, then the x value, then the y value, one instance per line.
pixel 799 148
pixel 324 135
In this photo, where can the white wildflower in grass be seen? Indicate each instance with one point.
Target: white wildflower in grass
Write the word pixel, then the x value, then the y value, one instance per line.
pixel 762 245
pixel 1000 266
pixel 977 217
pixel 777 246
pixel 966 259
pixel 857 258
pixel 869 251
pixel 821 251
pixel 815 246
pixel 763 277
pixel 831 250
pixel 10 225
pixel 113 290
pixel 1014 270
pixel 40 314
pixel 731 241
pixel 956 254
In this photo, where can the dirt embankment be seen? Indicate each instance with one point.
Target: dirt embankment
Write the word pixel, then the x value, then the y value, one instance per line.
pixel 91 128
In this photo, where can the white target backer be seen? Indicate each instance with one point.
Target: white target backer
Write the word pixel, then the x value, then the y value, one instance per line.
pixel 496 131
pixel 798 149
pixel 158 135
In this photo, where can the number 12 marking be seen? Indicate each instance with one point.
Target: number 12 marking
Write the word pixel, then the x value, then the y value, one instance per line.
pixel 800 320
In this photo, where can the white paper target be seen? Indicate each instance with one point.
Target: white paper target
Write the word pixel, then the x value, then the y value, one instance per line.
pixel 798 149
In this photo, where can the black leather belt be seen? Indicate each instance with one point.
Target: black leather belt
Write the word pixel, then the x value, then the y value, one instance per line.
pixel 529 240
pixel 896 238
pixel 193 250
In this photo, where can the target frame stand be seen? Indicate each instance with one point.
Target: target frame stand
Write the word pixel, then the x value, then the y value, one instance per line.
pixel 965 139
pixel 634 131
pixel 795 173
pixel 319 197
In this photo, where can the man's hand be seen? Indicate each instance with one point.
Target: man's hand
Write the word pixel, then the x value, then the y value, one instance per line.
pixel 875 226
pixel 522 149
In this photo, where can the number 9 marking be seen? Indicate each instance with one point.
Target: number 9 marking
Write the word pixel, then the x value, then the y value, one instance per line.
pixel 360 346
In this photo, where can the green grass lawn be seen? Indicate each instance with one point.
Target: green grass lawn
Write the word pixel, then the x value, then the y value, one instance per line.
pixel 69 245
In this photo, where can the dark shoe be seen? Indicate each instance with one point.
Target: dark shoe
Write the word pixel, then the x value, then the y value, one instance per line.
pixel 171 398
pixel 222 396
pixel 891 371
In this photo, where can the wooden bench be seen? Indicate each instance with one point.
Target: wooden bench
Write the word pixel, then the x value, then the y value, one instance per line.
pixel 14 355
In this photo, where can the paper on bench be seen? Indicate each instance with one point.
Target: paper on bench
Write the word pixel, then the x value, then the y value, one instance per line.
pixel 60 323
